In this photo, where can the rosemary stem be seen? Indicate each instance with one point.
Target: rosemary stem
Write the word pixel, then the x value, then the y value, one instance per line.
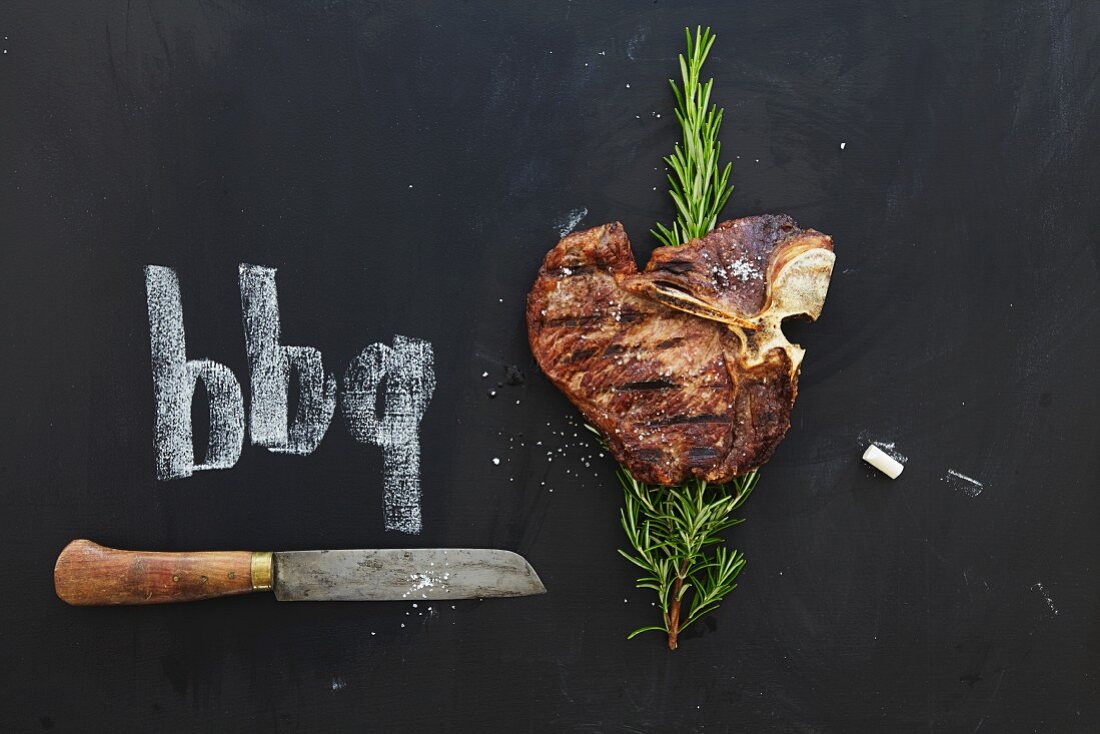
pixel 674 616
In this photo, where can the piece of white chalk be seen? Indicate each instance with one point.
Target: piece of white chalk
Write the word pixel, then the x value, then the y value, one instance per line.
pixel 882 461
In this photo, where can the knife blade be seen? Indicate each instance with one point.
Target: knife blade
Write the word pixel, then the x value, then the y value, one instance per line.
pixel 88 574
pixel 393 575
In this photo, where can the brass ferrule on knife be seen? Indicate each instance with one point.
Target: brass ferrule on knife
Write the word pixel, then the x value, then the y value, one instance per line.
pixel 261 570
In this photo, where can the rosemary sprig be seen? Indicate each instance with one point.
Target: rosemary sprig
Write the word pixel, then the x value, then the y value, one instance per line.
pixel 672 530
pixel 699 187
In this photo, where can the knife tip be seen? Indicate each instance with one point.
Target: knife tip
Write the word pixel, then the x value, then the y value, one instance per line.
pixel 537 587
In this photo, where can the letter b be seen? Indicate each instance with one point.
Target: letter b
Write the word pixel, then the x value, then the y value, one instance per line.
pixel 174 380
pixel 270 364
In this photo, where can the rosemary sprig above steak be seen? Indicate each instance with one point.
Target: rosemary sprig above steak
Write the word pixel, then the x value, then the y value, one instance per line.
pixel 699 188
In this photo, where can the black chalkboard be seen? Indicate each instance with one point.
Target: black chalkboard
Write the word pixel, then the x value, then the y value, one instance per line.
pixel 404 167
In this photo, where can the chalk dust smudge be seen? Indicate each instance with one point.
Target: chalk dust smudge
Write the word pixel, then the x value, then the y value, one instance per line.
pixel 888 447
pixel 961 483
pixel 569 222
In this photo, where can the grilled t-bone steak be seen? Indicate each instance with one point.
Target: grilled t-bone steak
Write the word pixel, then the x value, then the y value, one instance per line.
pixel 683 368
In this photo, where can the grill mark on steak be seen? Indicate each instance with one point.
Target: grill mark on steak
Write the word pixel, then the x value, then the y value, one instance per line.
pixel 653 455
pixel 648 385
pixel 614 349
pixel 679 267
pixel 703 453
pixel 581 354
pixel 686 419
pixel 683 367
pixel 574 321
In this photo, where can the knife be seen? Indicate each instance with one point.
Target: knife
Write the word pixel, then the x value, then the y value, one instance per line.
pixel 88 574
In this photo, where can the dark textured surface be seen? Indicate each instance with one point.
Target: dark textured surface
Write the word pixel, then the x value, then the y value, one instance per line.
pixel 961 325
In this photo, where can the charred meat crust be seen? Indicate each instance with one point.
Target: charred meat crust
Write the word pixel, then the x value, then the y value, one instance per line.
pixel 656 361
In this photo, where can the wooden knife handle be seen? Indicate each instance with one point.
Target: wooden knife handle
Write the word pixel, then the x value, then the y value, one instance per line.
pixel 87 574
